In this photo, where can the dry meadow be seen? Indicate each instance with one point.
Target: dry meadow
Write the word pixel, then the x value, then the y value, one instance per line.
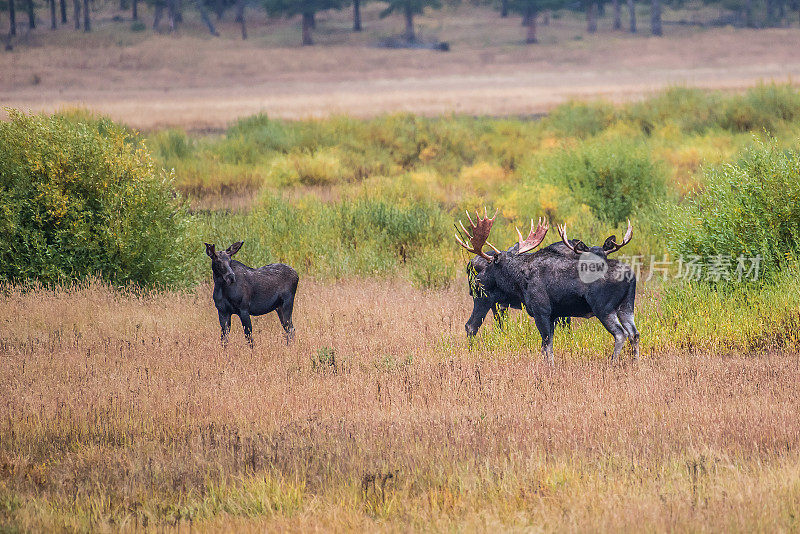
pixel 120 409
pixel 193 81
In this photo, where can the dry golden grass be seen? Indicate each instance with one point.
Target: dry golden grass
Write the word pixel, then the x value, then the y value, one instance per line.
pixel 122 410
pixel 193 81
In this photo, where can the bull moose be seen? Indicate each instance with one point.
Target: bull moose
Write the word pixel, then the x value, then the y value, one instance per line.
pixel 244 291
pixel 565 279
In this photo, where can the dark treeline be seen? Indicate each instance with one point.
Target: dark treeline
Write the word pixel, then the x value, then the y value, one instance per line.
pixel 167 15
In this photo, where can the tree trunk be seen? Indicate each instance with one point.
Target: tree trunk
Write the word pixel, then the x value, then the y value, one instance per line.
pixel 52 14
pixel 748 14
pixel 12 20
pixel 617 15
pixel 655 17
pixel 307 17
pixel 530 35
pixel 76 11
pixel 632 13
pixel 526 17
pixel 356 15
pixel 135 9
pixel 178 12
pixel 87 23
pixel 504 8
pixel 31 15
pixel 63 11
pixel 409 14
pixel 159 12
pixel 770 13
pixel 171 15
pixel 205 18
pixel 219 8
pixel 591 16
pixel 240 17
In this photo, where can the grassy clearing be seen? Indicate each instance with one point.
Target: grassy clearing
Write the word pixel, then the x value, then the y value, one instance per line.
pixel 190 80
pixel 381 417
pixel 344 197
pixel 681 128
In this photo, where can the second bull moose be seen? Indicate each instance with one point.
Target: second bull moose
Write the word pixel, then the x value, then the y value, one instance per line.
pixel 565 279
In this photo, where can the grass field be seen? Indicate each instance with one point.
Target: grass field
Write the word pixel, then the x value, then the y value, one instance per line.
pixel 380 417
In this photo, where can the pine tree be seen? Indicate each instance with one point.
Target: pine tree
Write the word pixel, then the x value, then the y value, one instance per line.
pixel 409 8
pixel 530 9
pixel 306 8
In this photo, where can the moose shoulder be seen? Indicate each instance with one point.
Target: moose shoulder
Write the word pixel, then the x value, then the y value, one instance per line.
pixel 244 291
pixel 565 279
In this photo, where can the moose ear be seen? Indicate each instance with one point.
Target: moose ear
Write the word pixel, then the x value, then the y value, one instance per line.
pixel 580 246
pixel 210 251
pixel 610 243
pixel 233 249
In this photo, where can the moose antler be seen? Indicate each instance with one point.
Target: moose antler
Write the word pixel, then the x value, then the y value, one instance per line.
pixel 534 237
pixel 625 240
pixel 479 235
pixel 562 231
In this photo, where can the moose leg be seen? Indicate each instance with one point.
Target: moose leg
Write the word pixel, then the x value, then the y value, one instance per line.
pixel 225 324
pixel 244 315
pixel 285 315
pixel 626 318
pixel 615 328
pixel 545 326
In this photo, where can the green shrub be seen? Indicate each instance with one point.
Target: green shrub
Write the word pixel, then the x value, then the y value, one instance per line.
pixel 580 119
pixel 762 108
pixel 748 208
pixel 692 110
pixel 80 197
pixel 350 237
pixel 171 144
pixel 432 269
pixel 614 178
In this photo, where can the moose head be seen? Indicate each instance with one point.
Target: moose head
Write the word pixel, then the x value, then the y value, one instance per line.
pixel 221 261
pixel 610 245
pixel 480 233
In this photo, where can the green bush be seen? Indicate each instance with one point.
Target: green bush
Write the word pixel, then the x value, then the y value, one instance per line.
pixel 749 208
pixel 362 236
pixel 692 110
pixel 579 119
pixel 80 197
pixel 614 177
pixel 762 108
pixel 432 268
pixel 172 145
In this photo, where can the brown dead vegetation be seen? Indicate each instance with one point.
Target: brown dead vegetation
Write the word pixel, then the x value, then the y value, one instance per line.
pixel 122 410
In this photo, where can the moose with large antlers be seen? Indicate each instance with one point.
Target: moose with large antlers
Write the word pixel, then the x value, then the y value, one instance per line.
pixel 565 279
